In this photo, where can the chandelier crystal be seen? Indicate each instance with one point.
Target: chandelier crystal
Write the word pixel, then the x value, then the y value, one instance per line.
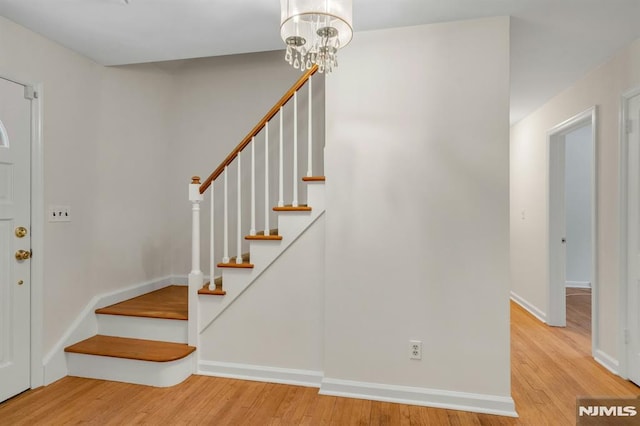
pixel 314 31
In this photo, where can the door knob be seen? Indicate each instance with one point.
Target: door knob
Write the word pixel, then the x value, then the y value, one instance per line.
pixel 23 255
pixel 21 232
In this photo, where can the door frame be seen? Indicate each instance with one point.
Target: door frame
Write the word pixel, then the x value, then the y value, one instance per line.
pixel 37 232
pixel 623 140
pixel 556 221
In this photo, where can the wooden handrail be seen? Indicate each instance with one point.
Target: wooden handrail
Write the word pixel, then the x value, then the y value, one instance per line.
pixel 272 112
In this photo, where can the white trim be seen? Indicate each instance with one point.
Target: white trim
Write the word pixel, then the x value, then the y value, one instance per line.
pixel 556 299
pixel 577 284
pixel 477 403
pixel 607 361
pixel 183 279
pixel 529 307
pixel 623 250
pixel 86 325
pixel 37 239
pixel 259 373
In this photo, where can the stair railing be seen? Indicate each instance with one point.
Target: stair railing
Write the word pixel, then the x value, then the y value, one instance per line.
pixel 197 191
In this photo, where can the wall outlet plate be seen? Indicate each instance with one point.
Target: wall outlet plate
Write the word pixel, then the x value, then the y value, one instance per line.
pixel 415 349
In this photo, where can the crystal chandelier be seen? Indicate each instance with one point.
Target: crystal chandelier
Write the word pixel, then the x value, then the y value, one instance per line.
pixel 314 30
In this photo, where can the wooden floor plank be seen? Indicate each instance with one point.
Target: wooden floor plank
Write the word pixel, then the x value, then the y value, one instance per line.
pixel 550 367
pixel 168 303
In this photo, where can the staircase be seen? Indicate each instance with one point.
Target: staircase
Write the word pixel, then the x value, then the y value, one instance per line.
pixel 141 340
pixel 152 339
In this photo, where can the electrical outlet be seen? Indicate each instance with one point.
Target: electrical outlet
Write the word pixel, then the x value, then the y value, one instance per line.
pixel 415 349
pixel 59 214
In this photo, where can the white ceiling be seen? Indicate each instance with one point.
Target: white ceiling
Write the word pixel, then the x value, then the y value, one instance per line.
pixel 553 42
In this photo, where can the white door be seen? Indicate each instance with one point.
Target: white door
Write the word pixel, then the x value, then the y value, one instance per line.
pixel 15 194
pixel 557 232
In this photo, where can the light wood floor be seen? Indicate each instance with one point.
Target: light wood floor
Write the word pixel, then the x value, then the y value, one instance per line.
pixel 550 367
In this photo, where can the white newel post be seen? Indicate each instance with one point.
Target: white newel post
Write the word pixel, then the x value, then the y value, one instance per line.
pixel 195 276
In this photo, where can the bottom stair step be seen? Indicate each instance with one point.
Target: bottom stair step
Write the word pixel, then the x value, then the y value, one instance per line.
pixel 146 362
pixel 123 347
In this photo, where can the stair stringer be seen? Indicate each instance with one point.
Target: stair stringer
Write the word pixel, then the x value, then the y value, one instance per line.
pixel 291 225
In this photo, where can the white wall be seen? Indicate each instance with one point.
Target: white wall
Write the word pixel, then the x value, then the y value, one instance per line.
pixel 417 156
pixel 529 193
pixel 578 153
pixel 105 148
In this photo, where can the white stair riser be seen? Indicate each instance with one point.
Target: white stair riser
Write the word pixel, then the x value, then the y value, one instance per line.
pixel 159 374
pixel 291 224
pixel 166 330
pixel 315 195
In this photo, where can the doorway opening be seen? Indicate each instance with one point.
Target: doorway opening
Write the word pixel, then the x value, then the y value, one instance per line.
pixel 572 224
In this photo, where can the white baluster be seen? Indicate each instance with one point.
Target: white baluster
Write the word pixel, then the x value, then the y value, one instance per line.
pixel 309 146
pixel 252 231
pixel 239 256
pixel 225 255
pixel 195 276
pixel 266 179
pixel 294 203
pixel 212 257
pixel 281 166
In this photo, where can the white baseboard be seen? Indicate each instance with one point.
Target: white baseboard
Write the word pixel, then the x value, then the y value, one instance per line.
pixel 533 310
pixel 86 325
pixel 477 403
pixel 577 284
pixel 184 279
pixel 607 361
pixel 259 373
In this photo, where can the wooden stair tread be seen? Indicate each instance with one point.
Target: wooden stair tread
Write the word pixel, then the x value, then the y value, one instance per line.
pixel 246 262
pixel 138 349
pixel 233 264
pixel 313 179
pixel 290 208
pixel 263 237
pixel 166 303
pixel 206 289
pixel 273 235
